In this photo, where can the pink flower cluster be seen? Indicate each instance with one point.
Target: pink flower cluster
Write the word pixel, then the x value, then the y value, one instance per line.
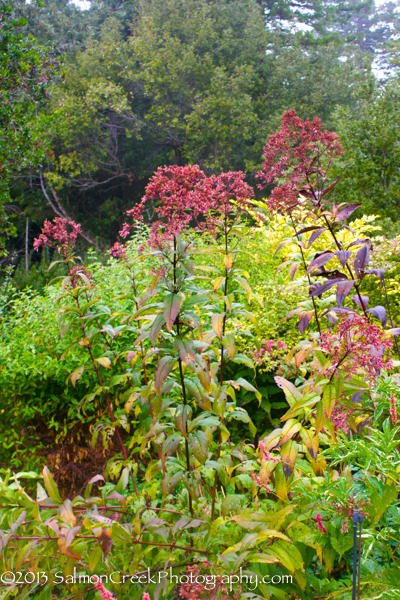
pixel 264 454
pixel 258 481
pixel 320 524
pixel 339 417
pixel 118 251
pixel 357 345
pixel 346 510
pixel 79 269
pixel 184 195
pixel 104 593
pixel 56 234
pixel 269 348
pixel 393 409
pixel 293 156
pixel 196 587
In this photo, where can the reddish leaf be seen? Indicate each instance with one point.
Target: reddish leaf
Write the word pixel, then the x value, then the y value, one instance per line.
pixel 330 187
pixel 283 244
pixel 346 212
pixel 380 313
pixel 378 272
pixel 363 303
pixel 306 229
pixel 362 259
pixel 172 303
pixel 305 319
pixel 323 288
pixel 316 234
pixel 358 242
pixel 164 368
pixel 322 259
pixel 343 288
pixel 343 256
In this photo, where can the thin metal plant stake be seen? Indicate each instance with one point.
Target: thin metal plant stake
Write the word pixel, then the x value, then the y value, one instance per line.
pixel 357 520
pixel 390 315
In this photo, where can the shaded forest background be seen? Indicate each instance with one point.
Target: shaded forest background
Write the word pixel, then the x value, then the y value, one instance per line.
pixel 143 83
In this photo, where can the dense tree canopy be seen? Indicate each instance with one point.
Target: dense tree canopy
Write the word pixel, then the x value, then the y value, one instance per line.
pixel 176 81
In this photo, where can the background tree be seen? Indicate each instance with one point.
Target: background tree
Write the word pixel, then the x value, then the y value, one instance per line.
pixel 26 71
pixel 370 133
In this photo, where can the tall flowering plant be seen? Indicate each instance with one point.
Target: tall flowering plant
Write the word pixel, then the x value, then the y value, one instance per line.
pixel 162 386
pixel 349 347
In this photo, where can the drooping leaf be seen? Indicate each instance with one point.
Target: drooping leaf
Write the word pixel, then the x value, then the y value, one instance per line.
pixel 343 290
pixel 304 320
pixel 343 256
pixel 198 442
pixel 217 322
pixel 156 328
pixel 315 235
pixel 292 394
pixel 185 350
pixel 164 368
pixel 361 301
pixel 104 361
pixel 76 375
pixel 380 313
pixel 318 262
pixel 289 452
pixel 323 288
pixel 172 303
pixel 362 259
pixel 346 212
pixel 311 442
pixel 378 272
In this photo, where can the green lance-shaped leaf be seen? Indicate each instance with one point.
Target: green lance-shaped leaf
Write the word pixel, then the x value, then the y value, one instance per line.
pixel 218 324
pixel 164 368
pixel 289 452
pixel 307 401
pixel 185 350
pixel 310 441
pixel 228 342
pixel 156 328
pixel 241 382
pixel 169 446
pixel 170 482
pixel 245 285
pixel 77 374
pixel 332 393
pixel 292 394
pixel 50 485
pixel 198 442
pixel 272 439
pixel 172 303
pixel 181 418
pixel 291 427
pixel 281 488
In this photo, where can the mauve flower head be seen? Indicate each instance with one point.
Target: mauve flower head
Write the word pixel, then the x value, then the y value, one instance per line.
pixel 104 593
pixel 146 596
pixel 175 191
pixel 320 524
pixel 206 587
pixel 356 345
pixel 296 154
pixel 393 409
pixel 184 196
pixel 224 194
pixel 118 251
pixel 56 235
